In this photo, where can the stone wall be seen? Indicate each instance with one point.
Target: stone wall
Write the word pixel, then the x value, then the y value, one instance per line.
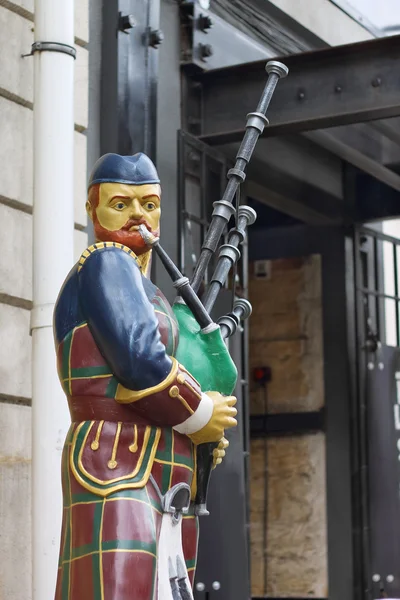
pixel 16 153
pixel 286 335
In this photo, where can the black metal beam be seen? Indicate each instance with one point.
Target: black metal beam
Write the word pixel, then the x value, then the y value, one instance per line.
pixel 294 208
pixel 355 158
pixel 326 88
pixel 108 118
pixel 168 103
pixel 292 196
pixel 388 129
pixel 129 72
pixel 282 424
pixel 276 183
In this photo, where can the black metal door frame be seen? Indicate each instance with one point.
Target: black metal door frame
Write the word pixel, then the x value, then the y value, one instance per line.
pixel 202 180
pixel 193 162
pixel 330 243
pixel 372 360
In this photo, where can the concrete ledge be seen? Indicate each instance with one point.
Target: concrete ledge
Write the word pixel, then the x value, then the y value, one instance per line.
pixel 80 178
pixel 15 527
pixel 15 258
pixel 81 92
pixel 16 73
pixel 15 352
pixel 20 7
pixel 26 9
pixel 15 433
pixel 82 19
pixel 16 125
pixel 15 499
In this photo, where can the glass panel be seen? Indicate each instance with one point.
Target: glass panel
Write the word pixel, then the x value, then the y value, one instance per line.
pixel 390 323
pixel 391 227
pixel 398 323
pixel 192 197
pixel 388 268
pixel 367 247
pixel 398 270
pixel 192 161
pixel 192 246
pixel 213 186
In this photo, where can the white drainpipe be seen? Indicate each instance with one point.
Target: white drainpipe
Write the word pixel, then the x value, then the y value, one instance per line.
pixel 53 230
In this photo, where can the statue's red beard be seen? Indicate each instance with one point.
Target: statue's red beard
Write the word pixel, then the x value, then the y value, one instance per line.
pixel 132 239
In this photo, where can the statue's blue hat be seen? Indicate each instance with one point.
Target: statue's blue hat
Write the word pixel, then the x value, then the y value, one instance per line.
pixel 133 170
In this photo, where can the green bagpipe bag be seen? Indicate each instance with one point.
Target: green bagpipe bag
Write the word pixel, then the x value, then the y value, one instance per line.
pixel 204 355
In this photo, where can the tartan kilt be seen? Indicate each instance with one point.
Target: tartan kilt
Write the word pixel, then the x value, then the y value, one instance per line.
pixel 109 544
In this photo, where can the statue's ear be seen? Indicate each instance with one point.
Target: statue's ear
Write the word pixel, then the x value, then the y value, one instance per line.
pixel 89 210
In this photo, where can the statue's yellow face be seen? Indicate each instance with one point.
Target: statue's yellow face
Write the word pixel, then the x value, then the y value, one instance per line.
pixel 121 209
pixel 120 203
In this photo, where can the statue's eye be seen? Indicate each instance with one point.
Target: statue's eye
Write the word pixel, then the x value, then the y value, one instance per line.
pixel 119 206
pixel 150 206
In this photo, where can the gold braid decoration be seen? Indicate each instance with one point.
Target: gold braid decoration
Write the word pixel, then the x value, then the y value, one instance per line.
pixel 96 443
pixel 99 246
pixel 134 446
pixel 113 463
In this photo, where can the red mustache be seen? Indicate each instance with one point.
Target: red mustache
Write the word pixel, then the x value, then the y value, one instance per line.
pixel 137 222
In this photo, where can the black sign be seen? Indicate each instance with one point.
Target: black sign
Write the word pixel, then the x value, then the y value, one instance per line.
pixel 383 390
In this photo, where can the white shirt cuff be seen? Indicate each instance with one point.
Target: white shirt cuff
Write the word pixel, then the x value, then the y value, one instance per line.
pixel 199 418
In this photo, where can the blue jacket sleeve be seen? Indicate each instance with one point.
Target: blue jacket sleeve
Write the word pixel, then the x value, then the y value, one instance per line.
pixel 121 318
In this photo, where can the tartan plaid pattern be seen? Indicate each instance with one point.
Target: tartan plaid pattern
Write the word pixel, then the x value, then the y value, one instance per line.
pixel 119 533
pixel 81 367
pixel 174 461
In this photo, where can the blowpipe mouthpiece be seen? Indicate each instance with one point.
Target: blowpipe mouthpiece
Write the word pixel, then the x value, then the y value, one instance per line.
pixel 148 237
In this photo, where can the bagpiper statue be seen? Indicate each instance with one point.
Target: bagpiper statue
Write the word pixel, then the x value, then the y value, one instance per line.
pixel 149 387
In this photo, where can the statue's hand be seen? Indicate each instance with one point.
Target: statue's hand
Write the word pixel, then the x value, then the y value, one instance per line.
pixel 219 452
pixel 223 417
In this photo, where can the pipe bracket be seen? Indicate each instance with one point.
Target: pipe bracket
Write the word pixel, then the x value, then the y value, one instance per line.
pixel 41 316
pixel 52 47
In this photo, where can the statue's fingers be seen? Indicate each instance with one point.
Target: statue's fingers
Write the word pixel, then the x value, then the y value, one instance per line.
pixel 218 453
pixel 223 443
pixel 230 422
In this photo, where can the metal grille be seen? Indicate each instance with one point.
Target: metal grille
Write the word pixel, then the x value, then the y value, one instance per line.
pixel 202 181
pixel 376 278
pixel 377 282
